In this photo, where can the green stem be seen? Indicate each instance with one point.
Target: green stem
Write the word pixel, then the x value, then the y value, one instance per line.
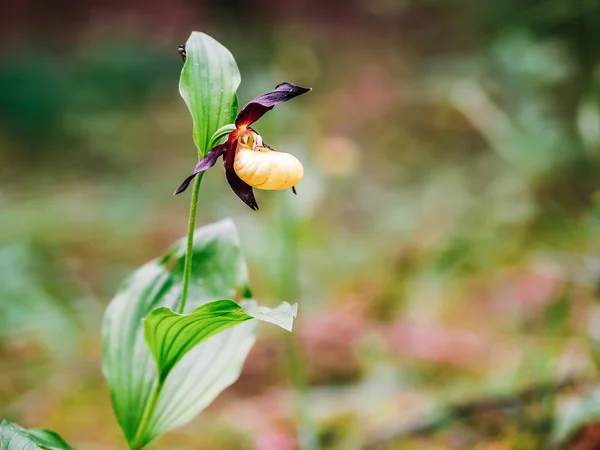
pixel 187 266
pixel 138 442
pixel 289 290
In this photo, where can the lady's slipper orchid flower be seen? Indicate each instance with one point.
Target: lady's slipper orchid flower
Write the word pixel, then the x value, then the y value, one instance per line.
pixel 248 161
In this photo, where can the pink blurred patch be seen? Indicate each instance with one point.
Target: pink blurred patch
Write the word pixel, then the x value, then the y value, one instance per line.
pixel 275 439
pixel 528 290
pixel 373 96
pixel 260 412
pixel 329 344
pixel 333 330
pixel 438 345
pixel 267 416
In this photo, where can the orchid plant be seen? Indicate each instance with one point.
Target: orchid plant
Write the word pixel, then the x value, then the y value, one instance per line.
pixel 248 161
pixel 173 336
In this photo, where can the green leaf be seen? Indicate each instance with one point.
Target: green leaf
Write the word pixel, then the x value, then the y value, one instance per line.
pixel 15 437
pixel 209 80
pixel 220 134
pixel 170 336
pixel 282 316
pixel 218 271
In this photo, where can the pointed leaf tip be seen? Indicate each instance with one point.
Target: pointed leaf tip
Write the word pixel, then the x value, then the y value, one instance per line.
pixel 283 315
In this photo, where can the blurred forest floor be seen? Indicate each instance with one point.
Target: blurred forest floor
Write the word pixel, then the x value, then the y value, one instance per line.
pixel 448 227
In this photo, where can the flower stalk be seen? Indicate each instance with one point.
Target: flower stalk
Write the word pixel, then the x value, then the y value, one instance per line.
pixel 138 442
pixel 289 288
pixel 187 266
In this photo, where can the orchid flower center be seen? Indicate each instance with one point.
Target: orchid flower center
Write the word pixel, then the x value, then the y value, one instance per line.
pixel 249 139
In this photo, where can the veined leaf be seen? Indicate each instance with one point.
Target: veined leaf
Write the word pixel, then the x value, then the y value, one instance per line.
pixel 218 271
pixel 209 80
pixel 170 336
pixel 15 437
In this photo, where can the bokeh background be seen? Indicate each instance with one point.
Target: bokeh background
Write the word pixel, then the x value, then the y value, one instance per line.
pixel 444 245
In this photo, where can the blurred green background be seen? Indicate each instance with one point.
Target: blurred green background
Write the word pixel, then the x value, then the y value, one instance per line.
pixel 446 235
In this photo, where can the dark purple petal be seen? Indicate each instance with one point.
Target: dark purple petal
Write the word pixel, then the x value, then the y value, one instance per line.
pixel 183 186
pixel 207 162
pixel 241 189
pixel 210 158
pixel 257 108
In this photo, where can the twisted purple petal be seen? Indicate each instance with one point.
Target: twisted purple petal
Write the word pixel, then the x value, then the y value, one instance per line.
pixel 257 108
pixel 206 163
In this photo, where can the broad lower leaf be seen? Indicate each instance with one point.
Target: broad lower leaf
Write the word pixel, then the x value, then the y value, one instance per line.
pixel 218 271
pixel 209 80
pixel 15 437
pixel 170 336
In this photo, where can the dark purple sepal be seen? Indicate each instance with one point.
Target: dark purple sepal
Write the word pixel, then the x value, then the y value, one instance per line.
pixel 257 108
pixel 205 163
pixel 210 158
pixel 183 186
pixel 241 189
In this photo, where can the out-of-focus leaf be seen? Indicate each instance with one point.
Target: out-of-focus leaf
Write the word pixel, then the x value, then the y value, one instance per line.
pixel 596 203
pixel 588 125
pixel 209 80
pixel 170 336
pixel 27 307
pixel 218 271
pixel 39 96
pixel 576 413
pixel 48 438
pixel 14 437
pixel 532 61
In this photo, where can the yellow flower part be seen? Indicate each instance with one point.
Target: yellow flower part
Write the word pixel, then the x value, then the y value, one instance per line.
pixel 263 168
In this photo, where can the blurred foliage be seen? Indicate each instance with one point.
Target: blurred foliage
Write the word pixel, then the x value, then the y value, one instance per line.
pixel 448 224
pixel 33 305
pixel 13 437
pixel 54 103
